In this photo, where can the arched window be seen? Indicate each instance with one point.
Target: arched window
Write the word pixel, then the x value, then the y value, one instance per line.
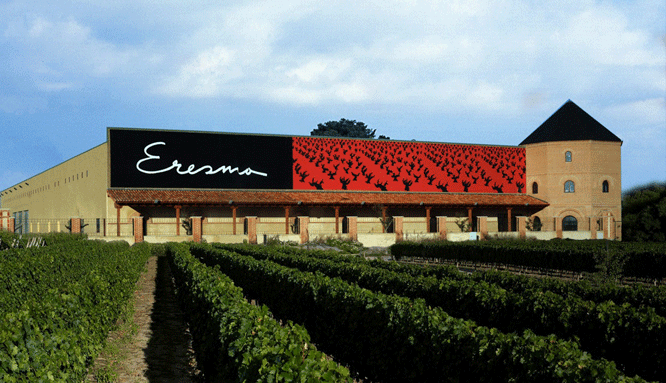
pixel 535 188
pixel 567 156
pixel 569 223
pixel 536 224
pixel 604 187
pixel 569 187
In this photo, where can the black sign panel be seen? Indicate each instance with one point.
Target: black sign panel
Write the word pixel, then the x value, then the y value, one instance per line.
pixel 199 160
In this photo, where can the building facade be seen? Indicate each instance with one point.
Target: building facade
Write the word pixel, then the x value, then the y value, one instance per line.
pixel 574 163
pixel 160 185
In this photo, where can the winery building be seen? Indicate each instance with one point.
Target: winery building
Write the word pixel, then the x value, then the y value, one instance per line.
pixel 562 181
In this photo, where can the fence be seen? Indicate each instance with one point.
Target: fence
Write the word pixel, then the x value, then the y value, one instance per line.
pixel 223 229
pixel 91 226
pixel 47 226
pixel 122 227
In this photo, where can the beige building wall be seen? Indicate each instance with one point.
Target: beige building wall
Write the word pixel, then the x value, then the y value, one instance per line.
pixel 74 188
pixel 592 163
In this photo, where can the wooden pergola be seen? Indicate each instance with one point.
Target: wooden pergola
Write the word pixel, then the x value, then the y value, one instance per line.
pixel 233 199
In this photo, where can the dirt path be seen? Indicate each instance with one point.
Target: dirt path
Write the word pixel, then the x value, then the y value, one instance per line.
pixel 160 350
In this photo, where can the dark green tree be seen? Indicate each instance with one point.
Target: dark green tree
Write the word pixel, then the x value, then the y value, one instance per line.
pixel 644 213
pixel 345 128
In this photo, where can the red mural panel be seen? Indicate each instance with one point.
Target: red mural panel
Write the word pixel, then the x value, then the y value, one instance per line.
pixel 378 165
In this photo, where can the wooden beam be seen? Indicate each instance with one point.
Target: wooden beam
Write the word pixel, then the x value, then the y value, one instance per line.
pixel 178 207
pixel 118 207
pixel 469 217
pixel 337 220
pixel 233 219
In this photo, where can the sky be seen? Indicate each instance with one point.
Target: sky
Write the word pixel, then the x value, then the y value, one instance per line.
pixel 457 71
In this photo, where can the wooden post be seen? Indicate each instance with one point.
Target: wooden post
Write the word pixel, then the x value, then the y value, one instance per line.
pixel 118 207
pixel 383 218
pixel 178 207
pixel 233 215
pixel 428 219
pixel 509 220
pixel 337 220
pixel 469 218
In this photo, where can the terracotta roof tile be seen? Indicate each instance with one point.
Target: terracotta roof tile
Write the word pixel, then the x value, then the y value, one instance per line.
pixel 273 198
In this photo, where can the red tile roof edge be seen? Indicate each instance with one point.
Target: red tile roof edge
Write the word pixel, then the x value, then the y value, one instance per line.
pixel 293 197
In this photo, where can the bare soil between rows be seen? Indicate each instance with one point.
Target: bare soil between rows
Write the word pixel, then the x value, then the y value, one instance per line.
pixel 161 349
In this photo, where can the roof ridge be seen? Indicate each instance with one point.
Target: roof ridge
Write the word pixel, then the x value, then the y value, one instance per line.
pixel 570 123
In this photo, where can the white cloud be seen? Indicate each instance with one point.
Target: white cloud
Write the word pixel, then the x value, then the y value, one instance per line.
pixel 296 95
pixel 320 70
pixel 205 75
pixel 343 92
pixel 501 60
pixel 641 112
pixel 486 95
pixel 427 49
pixel 61 54
pixel 602 35
pixel 471 55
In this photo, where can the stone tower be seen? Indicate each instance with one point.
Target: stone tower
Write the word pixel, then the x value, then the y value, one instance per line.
pixel 574 163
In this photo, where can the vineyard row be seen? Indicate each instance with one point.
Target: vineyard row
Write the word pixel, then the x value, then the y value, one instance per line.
pixel 392 338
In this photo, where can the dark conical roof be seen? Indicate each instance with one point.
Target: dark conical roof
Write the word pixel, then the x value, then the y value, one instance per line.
pixel 570 123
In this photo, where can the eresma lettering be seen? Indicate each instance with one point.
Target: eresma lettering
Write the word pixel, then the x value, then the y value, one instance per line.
pixel 191 169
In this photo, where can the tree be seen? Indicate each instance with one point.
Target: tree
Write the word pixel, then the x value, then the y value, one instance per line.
pixel 644 214
pixel 345 128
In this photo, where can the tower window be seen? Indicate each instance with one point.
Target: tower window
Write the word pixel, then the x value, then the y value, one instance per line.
pixel 535 188
pixel 567 156
pixel 569 223
pixel 569 187
pixel 604 187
